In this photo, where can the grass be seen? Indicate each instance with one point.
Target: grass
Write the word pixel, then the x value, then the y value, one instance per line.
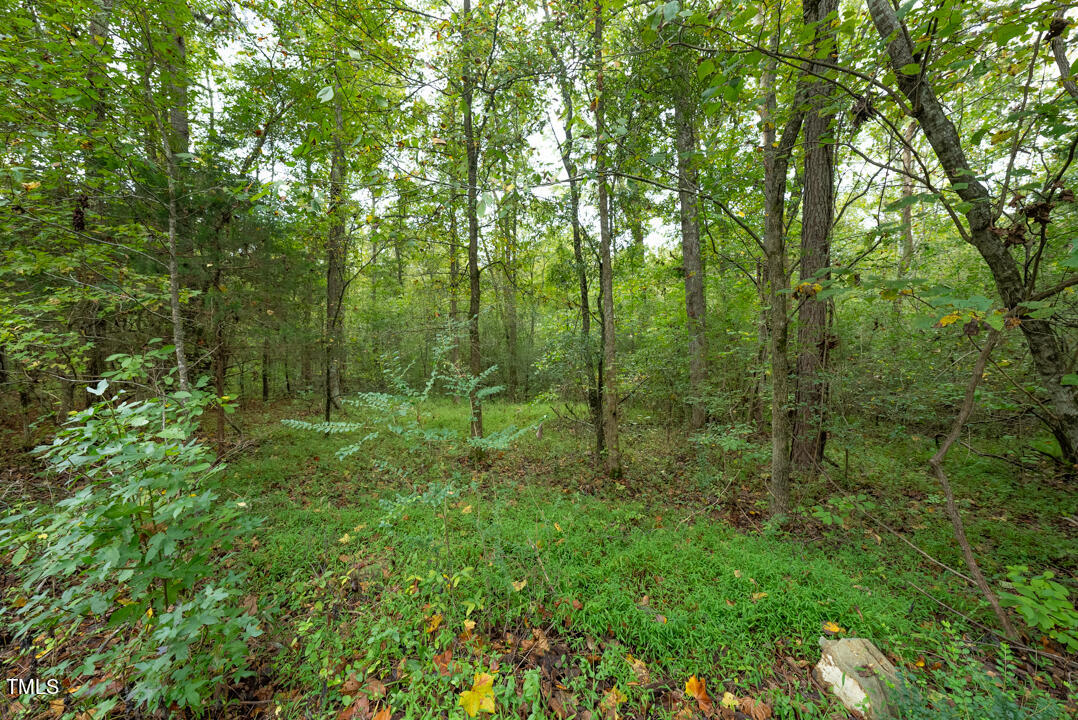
pixel 376 565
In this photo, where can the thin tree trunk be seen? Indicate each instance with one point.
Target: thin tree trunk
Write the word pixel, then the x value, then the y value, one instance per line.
pixel 475 363
pixel 606 270
pixel 936 463
pixel 454 279
pixel 220 367
pixel 265 370
pixel 980 218
pixel 817 215
pixel 906 259
pixel 592 380
pixel 776 165
pixel 174 277
pixel 692 258
pixel 335 259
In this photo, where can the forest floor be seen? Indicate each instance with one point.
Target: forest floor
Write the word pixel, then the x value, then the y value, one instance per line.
pixel 389 581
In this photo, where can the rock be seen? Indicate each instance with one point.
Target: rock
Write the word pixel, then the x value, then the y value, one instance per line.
pixel 859 675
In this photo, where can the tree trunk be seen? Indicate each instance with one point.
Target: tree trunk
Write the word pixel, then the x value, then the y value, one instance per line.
pixel 980 217
pixel 692 259
pixel 936 463
pixel 592 380
pixel 220 367
pixel 817 215
pixel 906 259
pixel 265 371
pixel 335 259
pixel 475 364
pixel 454 279
pixel 776 165
pixel 606 270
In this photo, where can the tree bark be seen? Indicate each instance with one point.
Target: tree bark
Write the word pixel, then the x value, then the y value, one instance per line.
pixel 475 362
pixel 980 218
pixel 612 459
pixel 335 259
pixel 776 165
pixel 817 216
pixel 692 259
pixel 592 380
pixel 906 259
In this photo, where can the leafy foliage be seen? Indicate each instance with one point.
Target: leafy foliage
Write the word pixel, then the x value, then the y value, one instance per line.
pixel 139 543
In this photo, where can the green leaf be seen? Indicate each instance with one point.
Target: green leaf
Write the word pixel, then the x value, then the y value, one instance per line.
pixel 911 69
pixel 326 93
pixel 20 554
pixel 1069 379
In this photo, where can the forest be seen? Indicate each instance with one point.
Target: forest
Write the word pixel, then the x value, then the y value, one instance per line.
pixel 547 359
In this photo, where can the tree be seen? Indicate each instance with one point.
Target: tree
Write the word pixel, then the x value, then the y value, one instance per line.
pixel 817 218
pixel 612 458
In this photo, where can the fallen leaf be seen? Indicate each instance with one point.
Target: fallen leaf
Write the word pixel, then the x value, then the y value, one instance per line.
pixel 696 687
pixel 383 714
pixel 611 699
pixel 442 661
pixel 433 622
pixel 737 573
pixel 640 670
pixel 350 686
pixel 374 688
pixel 518 586
pixel 577 604
pixel 729 700
pixel 481 697
pixel 832 628
pixel 758 596
pixel 755 709
pixel 360 709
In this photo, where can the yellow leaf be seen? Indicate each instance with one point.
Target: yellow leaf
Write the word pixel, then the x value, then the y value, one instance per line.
pixel 518 586
pixel 640 670
pixel 344 538
pixel 557 527
pixel 949 319
pixel 833 628
pixel 697 688
pixel 612 698
pixel 481 697
pixel 729 700
pixel 758 596
pixel 466 510
pixel 433 622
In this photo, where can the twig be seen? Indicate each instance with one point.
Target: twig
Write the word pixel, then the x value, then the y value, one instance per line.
pixel 936 463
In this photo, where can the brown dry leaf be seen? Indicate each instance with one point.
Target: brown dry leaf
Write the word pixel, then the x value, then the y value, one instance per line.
pixel 696 687
pixel 661 619
pixel 755 709
pixel 442 662
pixel 350 686
pixel 539 646
pixel 577 605
pixel 684 713
pixel 612 698
pixel 383 714
pixel 640 670
pixel 56 707
pixel 360 709
pixel 374 688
